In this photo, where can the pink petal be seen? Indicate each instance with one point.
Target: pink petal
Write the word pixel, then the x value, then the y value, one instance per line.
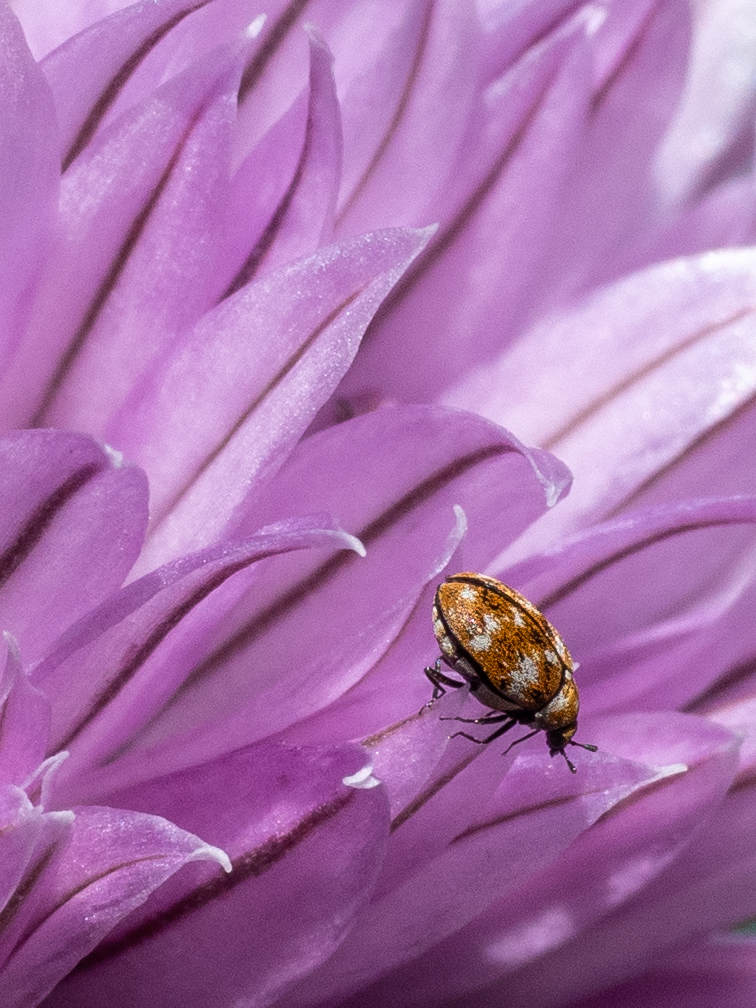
pixel 30 158
pixel 466 296
pixel 72 525
pixel 26 834
pixel 87 72
pixel 395 475
pixel 707 974
pixel 102 668
pixel 222 412
pixel 424 137
pixel 628 118
pixel 106 199
pixel 306 850
pixel 111 863
pixel 24 721
pixel 484 843
pixel 604 867
pixel 304 217
pixel 173 273
pixel 685 324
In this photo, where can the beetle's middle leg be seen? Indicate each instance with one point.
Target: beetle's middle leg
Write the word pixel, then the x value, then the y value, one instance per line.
pixel 491 738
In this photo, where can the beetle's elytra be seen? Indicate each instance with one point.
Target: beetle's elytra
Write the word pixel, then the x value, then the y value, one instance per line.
pixel 514 660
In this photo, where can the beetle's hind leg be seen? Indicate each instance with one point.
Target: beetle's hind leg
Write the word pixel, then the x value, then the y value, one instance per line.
pixel 440 680
pixel 492 737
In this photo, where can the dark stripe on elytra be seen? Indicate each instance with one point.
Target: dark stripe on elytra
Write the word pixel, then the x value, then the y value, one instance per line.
pixel 117 82
pixel 399 112
pixel 41 518
pixel 559 594
pixel 278 32
pixel 247 866
pixel 117 266
pixel 137 658
pixel 476 663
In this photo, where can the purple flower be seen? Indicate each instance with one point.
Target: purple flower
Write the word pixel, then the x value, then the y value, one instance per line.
pixel 226 678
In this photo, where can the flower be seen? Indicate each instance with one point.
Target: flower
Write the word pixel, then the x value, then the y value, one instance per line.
pixel 193 291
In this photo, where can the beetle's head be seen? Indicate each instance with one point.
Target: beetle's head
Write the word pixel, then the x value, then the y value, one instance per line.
pixel 559 738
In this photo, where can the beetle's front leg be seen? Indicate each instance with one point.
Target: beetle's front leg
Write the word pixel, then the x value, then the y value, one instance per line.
pixel 439 681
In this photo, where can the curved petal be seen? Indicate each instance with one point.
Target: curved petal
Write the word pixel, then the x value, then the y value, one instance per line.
pixel 87 72
pixel 107 197
pixel 103 677
pixel 305 847
pixel 79 890
pixel 24 720
pixel 221 413
pixel 394 475
pixel 72 525
pixel 603 868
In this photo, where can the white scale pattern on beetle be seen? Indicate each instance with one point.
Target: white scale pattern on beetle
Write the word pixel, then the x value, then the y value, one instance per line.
pixel 525 673
pixel 480 642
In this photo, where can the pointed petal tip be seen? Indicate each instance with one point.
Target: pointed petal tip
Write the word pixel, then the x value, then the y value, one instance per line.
pixel 207 852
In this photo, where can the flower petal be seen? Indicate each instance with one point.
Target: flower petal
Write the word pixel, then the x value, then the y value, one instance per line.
pixel 303 218
pixel 225 409
pixel 603 868
pixel 72 525
pixel 103 669
pixel 395 475
pixel 87 72
pixel 78 891
pixel 306 849
pixel 466 295
pixel 107 197
pixel 686 324
pixel 172 272
pixel 653 604
pixel 30 156
pixel 24 720
pixel 484 845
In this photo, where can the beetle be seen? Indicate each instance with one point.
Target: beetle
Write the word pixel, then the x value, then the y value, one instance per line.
pixel 513 659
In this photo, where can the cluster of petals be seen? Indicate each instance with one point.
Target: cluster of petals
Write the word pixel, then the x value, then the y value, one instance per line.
pixel 262 342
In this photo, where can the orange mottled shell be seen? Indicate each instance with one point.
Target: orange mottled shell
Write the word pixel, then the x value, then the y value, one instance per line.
pixel 512 645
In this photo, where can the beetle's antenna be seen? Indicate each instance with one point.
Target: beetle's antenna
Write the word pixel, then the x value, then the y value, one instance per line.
pixel 585 745
pixel 570 764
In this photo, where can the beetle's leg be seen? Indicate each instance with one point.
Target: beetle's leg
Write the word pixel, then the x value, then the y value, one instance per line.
pixel 484 741
pixel 493 717
pixel 440 680
pixel 523 739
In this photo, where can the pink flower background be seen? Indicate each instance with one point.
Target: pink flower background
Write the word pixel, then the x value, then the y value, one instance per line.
pixel 275 291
